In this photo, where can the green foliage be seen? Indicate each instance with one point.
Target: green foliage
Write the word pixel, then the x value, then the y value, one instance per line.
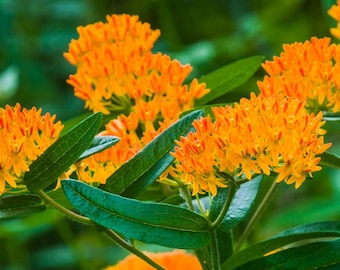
pixel 298 236
pixel 99 144
pixel 240 205
pixel 304 257
pixel 140 171
pixel 62 154
pixel 330 160
pixel 149 222
pixel 227 78
pixel 20 205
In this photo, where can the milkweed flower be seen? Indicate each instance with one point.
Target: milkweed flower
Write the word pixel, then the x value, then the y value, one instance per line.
pixel 257 135
pixel 309 71
pixel 334 12
pixel 117 71
pixel 24 135
pixel 174 260
pixel 116 68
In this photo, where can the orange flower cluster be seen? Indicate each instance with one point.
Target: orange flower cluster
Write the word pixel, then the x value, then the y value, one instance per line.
pixel 334 12
pixel 116 71
pixel 258 135
pixel 309 71
pixel 174 260
pixel 24 135
pixel 115 65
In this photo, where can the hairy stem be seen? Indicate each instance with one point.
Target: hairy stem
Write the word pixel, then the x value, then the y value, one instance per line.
pixel 219 219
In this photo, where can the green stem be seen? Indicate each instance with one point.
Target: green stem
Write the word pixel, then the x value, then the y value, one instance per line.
pixel 187 197
pixel 203 254
pixel 114 236
pixel 214 251
pixel 259 211
pixel 48 200
pixel 219 219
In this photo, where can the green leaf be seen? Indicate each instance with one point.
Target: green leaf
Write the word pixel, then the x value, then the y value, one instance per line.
pixel 148 177
pixel 20 205
pixel 330 116
pixel 70 123
pixel 99 144
pixel 225 79
pixel 240 205
pixel 330 160
pixel 62 154
pixel 309 256
pixel 151 161
pixel 301 233
pixel 149 222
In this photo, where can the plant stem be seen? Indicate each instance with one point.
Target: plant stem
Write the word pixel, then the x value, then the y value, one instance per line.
pixel 48 200
pixel 259 211
pixel 214 251
pixel 219 219
pixel 114 236
pixel 187 197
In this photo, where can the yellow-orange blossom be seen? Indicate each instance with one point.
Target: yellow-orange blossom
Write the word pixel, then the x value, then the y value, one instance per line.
pixel 24 135
pixel 258 135
pixel 309 71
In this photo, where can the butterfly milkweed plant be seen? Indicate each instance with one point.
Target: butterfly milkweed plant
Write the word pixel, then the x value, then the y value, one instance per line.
pixel 178 181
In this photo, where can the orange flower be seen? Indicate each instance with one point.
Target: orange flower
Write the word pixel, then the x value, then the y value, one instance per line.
pixel 115 65
pixel 258 135
pixel 308 71
pixel 24 135
pixel 334 12
pixel 116 70
pixel 174 260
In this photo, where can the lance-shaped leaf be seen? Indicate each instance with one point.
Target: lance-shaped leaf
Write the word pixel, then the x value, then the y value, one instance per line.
pixel 46 169
pixel 149 222
pixel 148 177
pixel 20 205
pixel 150 162
pixel 318 255
pixel 240 205
pixel 301 233
pixel 330 160
pixel 225 79
pixel 99 144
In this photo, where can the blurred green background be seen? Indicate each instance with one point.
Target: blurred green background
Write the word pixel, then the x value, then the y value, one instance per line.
pixel 206 34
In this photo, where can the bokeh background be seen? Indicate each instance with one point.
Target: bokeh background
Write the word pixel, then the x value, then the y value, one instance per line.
pixel 207 34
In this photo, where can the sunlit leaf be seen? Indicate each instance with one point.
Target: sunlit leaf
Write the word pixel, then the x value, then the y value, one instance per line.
pixel 150 162
pixel 227 78
pixel 20 205
pixel 305 232
pixel 149 222
pixel 99 144
pixel 62 154
pixel 318 255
